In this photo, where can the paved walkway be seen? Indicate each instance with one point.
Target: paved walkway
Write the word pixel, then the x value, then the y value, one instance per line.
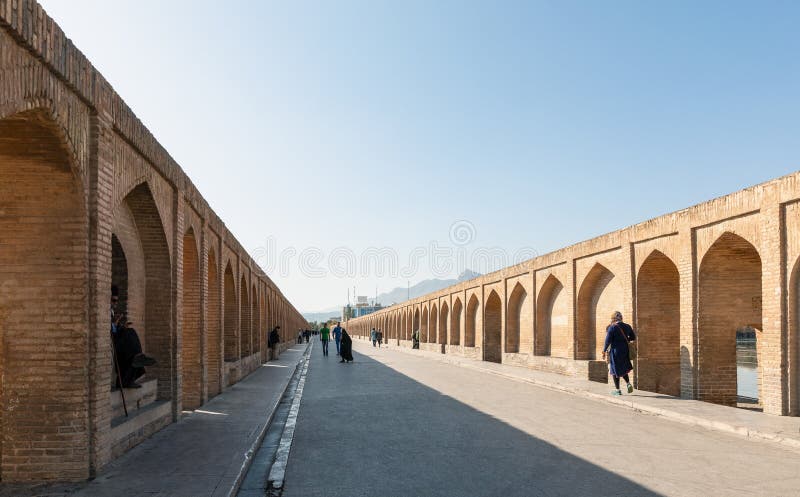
pixel 394 424
pixel 200 456
pixel 781 430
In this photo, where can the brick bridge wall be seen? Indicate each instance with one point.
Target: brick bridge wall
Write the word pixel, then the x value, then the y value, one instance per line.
pixel 687 281
pixel 87 197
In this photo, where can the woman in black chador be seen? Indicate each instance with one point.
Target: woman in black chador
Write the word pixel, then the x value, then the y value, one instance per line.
pixel 346 347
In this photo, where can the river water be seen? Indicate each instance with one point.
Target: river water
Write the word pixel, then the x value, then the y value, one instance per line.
pixel 746 368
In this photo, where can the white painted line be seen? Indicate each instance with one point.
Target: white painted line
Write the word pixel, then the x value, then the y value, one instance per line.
pixel 251 452
pixel 278 471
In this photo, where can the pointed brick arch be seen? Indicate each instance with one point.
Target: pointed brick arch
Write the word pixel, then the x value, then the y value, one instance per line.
pixel 493 328
pixel 455 322
pixel 423 335
pixel 519 318
pixel 231 315
pixel 553 335
pixel 729 301
pixel 255 320
pixel 191 340
pixel 213 329
pixel 794 341
pixel 596 301
pixel 433 323
pixel 158 337
pixel 245 322
pixel 43 266
pixel 658 362
pixel 444 321
pixel 470 324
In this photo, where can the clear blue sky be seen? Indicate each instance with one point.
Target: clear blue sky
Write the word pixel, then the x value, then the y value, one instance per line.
pixel 376 124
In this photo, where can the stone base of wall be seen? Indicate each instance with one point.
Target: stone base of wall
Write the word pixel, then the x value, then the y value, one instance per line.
pixel 127 433
pixel 232 373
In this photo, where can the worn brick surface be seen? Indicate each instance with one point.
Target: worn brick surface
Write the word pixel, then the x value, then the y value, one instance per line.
pixel 88 198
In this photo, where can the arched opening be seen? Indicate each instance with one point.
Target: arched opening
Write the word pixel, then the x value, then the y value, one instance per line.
pixel 191 365
pixel 471 322
pixel 231 317
pixel 213 329
pixel 245 330
pixel 138 222
pixel 262 329
pixel 552 320
pixel 595 305
pixel 518 317
pixel 492 325
pixel 424 331
pixel 255 321
pixel 119 272
pixel 729 317
pixel 794 341
pixel 434 321
pixel 455 325
pixel 443 322
pixel 658 362
pixel 43 279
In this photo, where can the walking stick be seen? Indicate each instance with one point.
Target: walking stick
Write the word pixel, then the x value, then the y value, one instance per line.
pixel 119 376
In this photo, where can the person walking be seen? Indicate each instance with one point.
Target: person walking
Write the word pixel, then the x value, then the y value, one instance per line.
pixel 373 335
pixel 347 347
pixel 415 339
pixel 324 337
pixel 272 342
pixel 299 336
pixel 337 337
pixel 617 350
pixel 379 337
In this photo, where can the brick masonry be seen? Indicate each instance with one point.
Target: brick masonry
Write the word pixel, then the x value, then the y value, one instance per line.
pixel 687 281
pixel 89 198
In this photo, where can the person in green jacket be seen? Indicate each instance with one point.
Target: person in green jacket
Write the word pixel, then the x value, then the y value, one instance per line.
pixel 324 337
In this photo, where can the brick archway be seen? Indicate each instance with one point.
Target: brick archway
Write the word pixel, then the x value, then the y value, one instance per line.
pixel 658 362
pixel 214 335
pixel 444 315
pixel 191 341
pixel 157 338
pixel 455 322
pixel 433 322
pixel 471 321
pixel 552 330
pixel 729 301
pixel 517 318
pixel 423 335
pixel 595 305
pixel 492 326
pixel 231 316
pixel 245 323
pixel 255 321
pixel 43 267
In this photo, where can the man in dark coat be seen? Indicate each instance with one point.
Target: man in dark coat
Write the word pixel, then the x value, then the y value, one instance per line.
pixel 619 335
pixel 128 355
pixel 346 347
pixel 273 340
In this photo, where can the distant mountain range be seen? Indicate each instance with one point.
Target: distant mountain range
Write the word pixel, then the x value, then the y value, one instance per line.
pixel 397 295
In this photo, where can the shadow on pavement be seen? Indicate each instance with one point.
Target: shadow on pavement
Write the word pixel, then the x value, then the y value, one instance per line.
pixel 366 430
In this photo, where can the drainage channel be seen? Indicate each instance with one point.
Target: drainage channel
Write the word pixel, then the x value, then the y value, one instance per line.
pixel 265 475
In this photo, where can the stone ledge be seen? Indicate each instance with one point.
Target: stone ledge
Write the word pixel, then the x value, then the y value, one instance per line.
pixel 135 398
pixel 129 432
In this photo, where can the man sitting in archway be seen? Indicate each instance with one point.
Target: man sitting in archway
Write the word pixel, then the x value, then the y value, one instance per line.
pixel 130 360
